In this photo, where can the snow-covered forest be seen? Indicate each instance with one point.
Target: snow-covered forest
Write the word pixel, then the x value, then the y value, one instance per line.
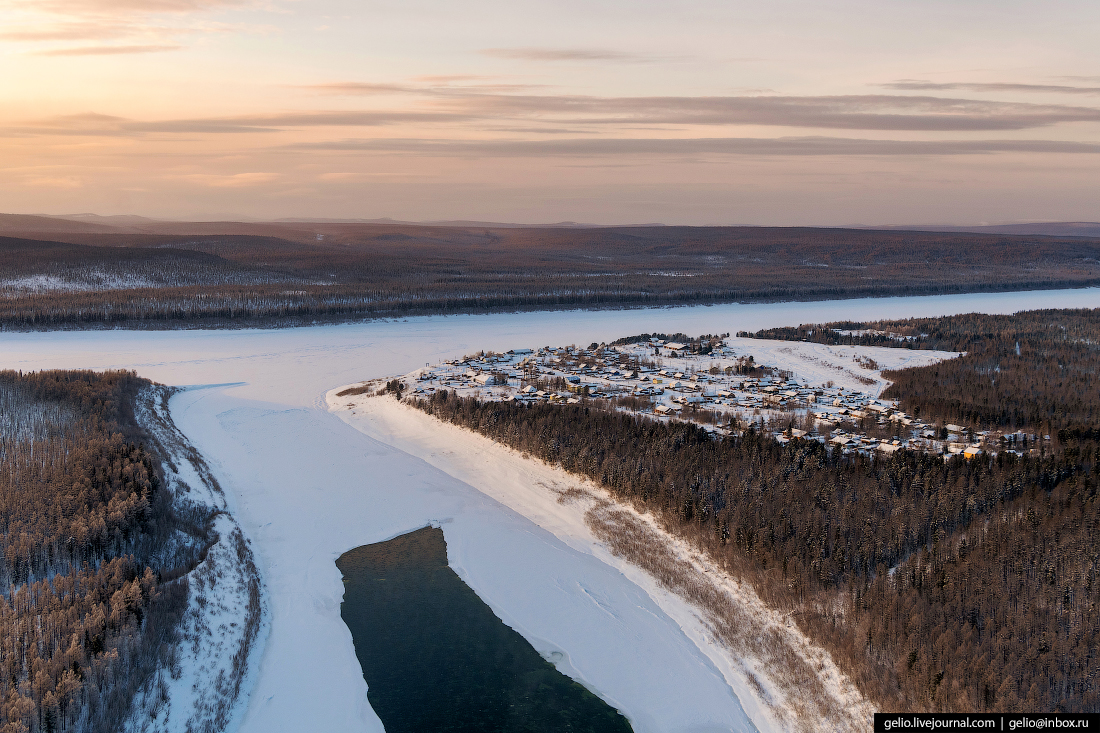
pixel 229 274
pixel 97 553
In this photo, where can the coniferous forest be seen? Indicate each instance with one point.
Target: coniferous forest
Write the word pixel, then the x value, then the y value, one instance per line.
pixel 92 558
pixel 229 274
pixel 939 585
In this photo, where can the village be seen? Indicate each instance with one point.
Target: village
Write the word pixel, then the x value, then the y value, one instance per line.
pixel 706 382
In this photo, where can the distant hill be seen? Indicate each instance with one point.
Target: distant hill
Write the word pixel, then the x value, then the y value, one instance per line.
pixel 1047 229
pixel 450 223
pixel 168 273
pixel 27 224
pixel 24 224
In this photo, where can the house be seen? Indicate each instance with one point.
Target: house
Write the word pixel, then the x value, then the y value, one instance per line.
pixel 675 347
pixel 971 452
pixel 483 379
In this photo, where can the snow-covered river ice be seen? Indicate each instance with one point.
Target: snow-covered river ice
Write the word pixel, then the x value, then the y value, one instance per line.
pixel 306 487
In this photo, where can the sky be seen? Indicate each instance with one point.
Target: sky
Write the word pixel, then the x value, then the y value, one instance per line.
pixel 787 112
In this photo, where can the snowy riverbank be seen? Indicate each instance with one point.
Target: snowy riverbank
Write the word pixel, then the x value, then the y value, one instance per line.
pixel 538 492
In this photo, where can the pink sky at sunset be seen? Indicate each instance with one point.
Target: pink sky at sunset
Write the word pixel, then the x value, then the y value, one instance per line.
pixel 609 112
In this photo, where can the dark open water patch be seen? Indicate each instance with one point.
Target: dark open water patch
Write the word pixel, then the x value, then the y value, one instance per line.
pixel 435 658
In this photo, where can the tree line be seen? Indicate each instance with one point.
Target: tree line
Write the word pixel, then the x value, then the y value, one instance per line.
pixel 355 271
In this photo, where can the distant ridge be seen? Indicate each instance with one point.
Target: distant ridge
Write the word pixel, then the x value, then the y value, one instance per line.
pixel 24 224
pixel 29 224
pixel 1048 229
pixel 114 220
pixel 457 223
pixel 127 223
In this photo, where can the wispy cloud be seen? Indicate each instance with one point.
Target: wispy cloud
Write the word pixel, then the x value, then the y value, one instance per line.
pixel 137 26
pixel 565 54
pixel 855 112
pixel 236 180
pixel 921 85
pixel 451 78
pixel 785 146
pixel 98 125
pixel 106 50
pixel 483 111
pixel 113 7
pixel 66 31
pixel 290 120
pixel 435 86
pixel 360 88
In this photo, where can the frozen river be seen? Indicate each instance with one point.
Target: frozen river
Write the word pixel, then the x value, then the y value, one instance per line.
pixel 306 487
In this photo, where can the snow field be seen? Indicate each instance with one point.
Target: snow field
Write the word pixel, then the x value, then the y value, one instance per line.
pixel 817 364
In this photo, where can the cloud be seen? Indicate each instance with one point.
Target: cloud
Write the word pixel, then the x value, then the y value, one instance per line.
pixel 485 111
pixel 359 88
pixel 236 180
pixel 451 78
pixel 276 122
pixel 154 24
pixel 53 182
pixel 921 85
pixel 113 7
pixel 98 125
pixel 784 146
pixel 106 50
pixel 854 112
pixel 563 54
pixel 440 86
pixel 66 31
